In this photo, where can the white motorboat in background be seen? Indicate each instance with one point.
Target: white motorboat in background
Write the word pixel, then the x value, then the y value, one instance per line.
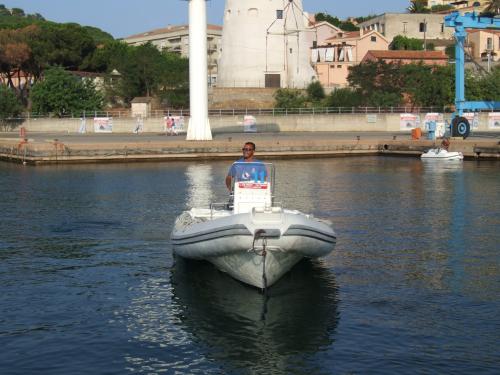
pixel 441 154
pixel 252 239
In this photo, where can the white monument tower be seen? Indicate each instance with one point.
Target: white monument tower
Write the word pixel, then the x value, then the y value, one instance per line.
pixel 199 126
pixel 264 45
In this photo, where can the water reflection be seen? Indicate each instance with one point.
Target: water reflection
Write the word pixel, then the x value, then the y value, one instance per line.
pixel 200 181
pixel 245 329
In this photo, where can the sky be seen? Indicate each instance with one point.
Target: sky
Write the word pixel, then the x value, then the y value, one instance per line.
pixel 122 18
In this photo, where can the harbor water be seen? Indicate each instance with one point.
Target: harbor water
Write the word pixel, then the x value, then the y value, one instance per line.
pixel 89 283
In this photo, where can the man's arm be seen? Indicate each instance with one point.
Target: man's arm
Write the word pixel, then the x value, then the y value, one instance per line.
pixel 229 181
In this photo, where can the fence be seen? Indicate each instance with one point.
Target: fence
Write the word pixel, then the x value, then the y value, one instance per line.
pixel 250 111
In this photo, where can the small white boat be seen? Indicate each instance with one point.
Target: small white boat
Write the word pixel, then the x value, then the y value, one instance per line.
pixel 252 239
pixel 441 154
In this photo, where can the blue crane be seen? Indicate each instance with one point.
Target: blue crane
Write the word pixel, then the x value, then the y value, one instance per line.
pixel 459 125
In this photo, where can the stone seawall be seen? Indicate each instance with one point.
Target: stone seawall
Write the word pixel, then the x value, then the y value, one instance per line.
pixel 234 124
pixel 94 148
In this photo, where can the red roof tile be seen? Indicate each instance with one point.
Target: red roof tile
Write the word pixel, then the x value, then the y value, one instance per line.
pixel 169 29
pixel 409 55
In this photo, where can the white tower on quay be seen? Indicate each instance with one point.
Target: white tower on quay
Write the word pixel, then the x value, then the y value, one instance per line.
pixel 264 44
pixel 199 126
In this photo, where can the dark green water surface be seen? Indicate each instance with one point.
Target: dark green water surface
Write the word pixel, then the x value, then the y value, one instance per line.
pixel 89 284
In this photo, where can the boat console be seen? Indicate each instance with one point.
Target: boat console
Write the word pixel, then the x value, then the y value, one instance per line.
pixel 253 187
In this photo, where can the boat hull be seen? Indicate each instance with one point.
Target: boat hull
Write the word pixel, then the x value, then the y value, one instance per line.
pixel 256 248
pixel 441 154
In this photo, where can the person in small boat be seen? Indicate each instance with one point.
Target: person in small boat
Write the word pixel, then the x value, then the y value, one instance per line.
pixel 248 168
pixel 445 144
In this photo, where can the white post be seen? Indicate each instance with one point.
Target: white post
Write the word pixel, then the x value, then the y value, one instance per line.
pixel 199 126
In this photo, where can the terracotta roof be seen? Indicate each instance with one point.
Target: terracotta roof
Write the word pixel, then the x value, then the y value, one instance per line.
pixel 169 29
pixel 346 35
pixel 354 35
pixel 409 55
pixel 141 99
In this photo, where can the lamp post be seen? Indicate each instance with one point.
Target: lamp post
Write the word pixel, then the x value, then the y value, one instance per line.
pixel 199 126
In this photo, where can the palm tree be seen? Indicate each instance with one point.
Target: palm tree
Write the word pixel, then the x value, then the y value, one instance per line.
pixel 493 7
pixel 418 6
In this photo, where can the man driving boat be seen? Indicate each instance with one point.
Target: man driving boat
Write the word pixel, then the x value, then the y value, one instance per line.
pixel 247 168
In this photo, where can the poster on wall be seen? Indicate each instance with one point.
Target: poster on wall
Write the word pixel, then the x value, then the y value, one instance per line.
pixel 173 124
pixel 408 121
pixel 249 124
pixel 473 118
pixel 436 122
pixel 494 120
pixel 103 125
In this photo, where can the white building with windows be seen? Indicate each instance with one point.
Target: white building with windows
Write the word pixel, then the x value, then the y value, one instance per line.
pixel 176 39
pixel 460 4
pixel 411 25
pixel 264 44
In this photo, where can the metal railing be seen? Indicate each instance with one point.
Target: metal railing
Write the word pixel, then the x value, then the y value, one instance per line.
pixel 247 111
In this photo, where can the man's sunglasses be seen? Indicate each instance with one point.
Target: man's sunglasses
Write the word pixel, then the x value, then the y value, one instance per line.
pixel 246 149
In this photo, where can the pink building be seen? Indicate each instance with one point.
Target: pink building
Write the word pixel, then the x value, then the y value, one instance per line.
pixel 333 58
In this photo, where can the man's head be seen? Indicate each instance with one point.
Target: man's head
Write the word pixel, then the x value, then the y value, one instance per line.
pixel 248 150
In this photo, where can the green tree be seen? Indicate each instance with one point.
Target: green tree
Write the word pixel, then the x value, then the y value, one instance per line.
pixel 483 87
pixel 174 80
pixel 374 76
pixel 384 99
pixel 289 98
pixel 427 85
pixel 418 6
pixel 17 12
pixel 63 94
pixel 141 72
pixel 315 92
pixel 4 11
pixel 344 97
pixel 335 21
pixel 493 8
pixel 10 107
pixel 365 18
pixel 401 42
pixel 441 8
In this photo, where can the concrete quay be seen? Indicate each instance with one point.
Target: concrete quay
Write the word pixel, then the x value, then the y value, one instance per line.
pixel 56 148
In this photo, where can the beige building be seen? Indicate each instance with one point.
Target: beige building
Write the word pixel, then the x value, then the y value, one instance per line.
pixel 411 25
pixel 333 58
pixel 482 43
pixel 176 39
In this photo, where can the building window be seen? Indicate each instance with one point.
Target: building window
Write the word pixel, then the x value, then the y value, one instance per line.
pixel 279 14
pixel 442 27
pixel 373 38
pixel 253 12
pixel 422 27
pixel 405 27
pixel 489 44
